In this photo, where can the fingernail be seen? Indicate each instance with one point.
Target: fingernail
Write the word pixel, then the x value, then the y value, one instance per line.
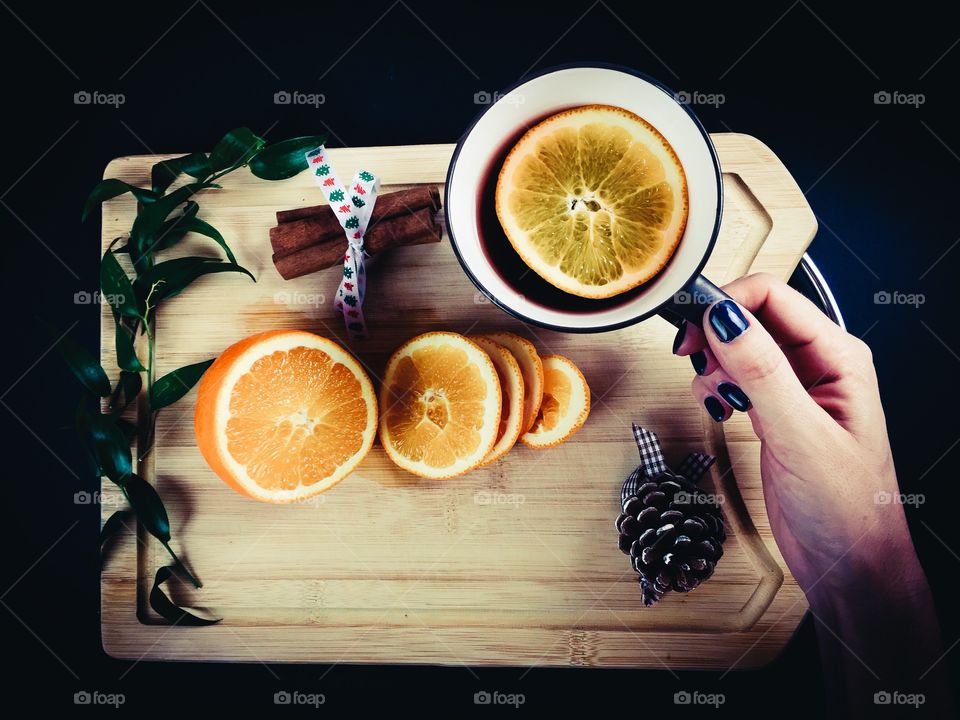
pixel 699 361
pixel 678 340
pixel 727 320
pixel 736 397
pixel 714 407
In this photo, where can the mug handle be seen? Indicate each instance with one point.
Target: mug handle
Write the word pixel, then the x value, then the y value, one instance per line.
pixel 691 301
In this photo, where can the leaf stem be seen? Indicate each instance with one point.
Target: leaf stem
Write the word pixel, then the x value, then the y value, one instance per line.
pixel 181 567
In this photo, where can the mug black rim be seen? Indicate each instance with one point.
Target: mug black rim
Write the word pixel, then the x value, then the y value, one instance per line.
pixel 630 321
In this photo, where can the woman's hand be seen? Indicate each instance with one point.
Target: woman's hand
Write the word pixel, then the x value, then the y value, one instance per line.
pixel 811 393
pixel 829 482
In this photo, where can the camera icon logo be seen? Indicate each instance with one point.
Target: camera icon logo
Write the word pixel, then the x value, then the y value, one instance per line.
pixel 282 97
pixel 82 698
pixel 882 298
pixel 882 698
pixel 683 97
pixel 82 498
pixel 482 698
pixel 482 98
pixel 882 497
pixel 282 698
pixel 82 98
pixel 682 698
pixel 882 98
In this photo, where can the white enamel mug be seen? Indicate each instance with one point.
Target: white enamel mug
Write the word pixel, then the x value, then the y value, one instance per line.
pixel 677 292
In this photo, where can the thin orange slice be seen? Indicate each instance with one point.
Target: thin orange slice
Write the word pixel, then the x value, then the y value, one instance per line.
pixel 511 392
pixel 440 405
pixel 565 406
pixel 530 367
pixel 284 415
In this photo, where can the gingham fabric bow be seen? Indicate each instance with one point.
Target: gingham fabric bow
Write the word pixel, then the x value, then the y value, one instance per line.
pixel 352 206
pixel 652 463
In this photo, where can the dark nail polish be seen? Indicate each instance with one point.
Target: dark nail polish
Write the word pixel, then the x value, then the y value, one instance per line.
pixel 699 361
pixel 736 397
pixel 727 320
pixel 714 407
pixel 678 340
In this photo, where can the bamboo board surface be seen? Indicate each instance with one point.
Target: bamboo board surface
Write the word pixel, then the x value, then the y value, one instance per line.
pixel 513 564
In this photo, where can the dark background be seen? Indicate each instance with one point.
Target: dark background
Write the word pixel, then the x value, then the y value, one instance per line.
pixel 801 76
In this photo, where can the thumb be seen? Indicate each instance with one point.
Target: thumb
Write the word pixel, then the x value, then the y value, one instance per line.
pixel 752 359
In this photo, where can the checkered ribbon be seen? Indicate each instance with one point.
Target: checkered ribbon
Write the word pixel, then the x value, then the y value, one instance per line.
pixel 652 463
pixel 352 206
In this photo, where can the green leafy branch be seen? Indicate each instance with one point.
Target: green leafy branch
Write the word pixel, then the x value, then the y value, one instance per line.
pixel 164 217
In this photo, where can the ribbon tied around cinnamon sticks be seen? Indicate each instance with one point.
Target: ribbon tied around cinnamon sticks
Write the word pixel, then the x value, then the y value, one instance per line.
pixel 351 227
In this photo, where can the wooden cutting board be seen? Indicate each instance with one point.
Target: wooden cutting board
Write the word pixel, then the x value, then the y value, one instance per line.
pixel 515 564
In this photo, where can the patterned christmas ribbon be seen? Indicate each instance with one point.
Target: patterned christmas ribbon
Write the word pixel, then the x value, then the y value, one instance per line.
pixel 352 207
pixel 652 463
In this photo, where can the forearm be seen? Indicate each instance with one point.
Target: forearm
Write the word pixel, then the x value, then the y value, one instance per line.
pixel 880 640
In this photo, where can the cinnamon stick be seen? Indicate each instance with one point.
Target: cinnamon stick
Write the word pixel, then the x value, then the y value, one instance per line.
pixel 415 228
pixel 303 227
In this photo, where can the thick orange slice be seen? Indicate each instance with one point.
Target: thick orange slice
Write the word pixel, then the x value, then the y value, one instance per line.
pixel 284 415
pixel 440 405
pixel 565 406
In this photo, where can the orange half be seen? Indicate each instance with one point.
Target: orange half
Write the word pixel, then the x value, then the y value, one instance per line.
pixel 284 415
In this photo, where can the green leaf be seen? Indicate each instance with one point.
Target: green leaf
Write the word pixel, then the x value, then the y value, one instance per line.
pixel 171 277
pixel 174 228
pixel 151 218
pixel 166 608
pixel 235 149
pixel 114 524
pixel 284 159
pixel 110 446
pixel 201 227
pixel 173 386
pixel 88 371
pixel 117 288
pixel 111 188
pixel 164 173
pixel 148 506
pixel 128 429
pixel 126 353
pixel 129 386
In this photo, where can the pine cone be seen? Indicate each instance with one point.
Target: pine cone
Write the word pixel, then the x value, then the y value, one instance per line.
pixel 673 534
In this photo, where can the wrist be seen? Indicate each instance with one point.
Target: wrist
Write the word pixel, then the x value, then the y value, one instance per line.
pixel 880 575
